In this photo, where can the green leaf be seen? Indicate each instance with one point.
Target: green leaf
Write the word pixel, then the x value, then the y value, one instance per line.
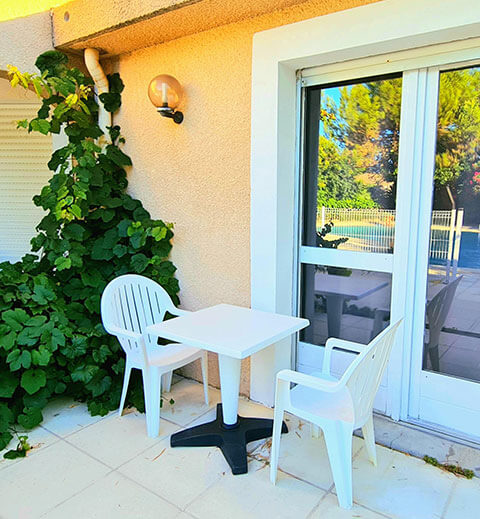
pixel 115 83
pixel 51 61
pixel 37 320
pixel 6 416
pixel 111 101
pixel 84 373
pixel 7 342
pixel 42 295
pixel 120 250
pixel 33 380
pixel 139 262
pixel 14 454
pixel 63 263
pixel 75 210
pixel 159 233
pixel 117 156
pixel 15 318
pixel 58 339
pixel 40 125
pixel 31 417
pixel 41 357
pixel 27 338
pixel 8 384
pixel 18 359
pixel 5 437
pixel 73 231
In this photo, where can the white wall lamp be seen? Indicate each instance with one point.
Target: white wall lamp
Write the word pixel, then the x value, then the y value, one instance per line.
pixel 166 93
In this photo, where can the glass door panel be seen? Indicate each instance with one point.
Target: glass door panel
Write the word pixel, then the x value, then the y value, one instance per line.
pixel 350 181
pixel 452 329
pixel 349 207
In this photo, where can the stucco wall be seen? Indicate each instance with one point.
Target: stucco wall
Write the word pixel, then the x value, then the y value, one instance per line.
pixel 23 39
pixel 196 174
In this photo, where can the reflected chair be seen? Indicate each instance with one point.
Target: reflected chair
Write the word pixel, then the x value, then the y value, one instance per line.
pixel 338 407
pixel 437 313
pixel 129 304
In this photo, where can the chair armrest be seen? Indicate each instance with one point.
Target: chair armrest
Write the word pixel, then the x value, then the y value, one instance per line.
pixel 332 343
pixel 125 334
pixel 288 375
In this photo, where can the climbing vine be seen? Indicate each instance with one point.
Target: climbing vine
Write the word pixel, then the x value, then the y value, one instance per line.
pixel 52 341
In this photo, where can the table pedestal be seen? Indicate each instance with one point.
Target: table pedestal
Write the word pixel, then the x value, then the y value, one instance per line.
pixel 232 440
pixel 228 431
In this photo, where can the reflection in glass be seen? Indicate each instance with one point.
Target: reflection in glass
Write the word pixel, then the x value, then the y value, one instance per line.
pixel 350 181
pixel 452 331
pixel 347 303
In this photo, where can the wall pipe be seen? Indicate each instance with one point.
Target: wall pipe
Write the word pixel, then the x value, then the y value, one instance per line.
pixel 92 62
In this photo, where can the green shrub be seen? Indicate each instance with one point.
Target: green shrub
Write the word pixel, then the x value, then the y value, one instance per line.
pixel 51 338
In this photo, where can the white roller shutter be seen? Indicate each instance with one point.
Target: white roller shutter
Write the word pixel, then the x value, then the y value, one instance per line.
pixel 23 173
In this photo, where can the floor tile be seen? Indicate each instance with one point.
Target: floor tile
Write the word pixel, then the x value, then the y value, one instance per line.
pixel 401 486
pixel 38 438
pixel 465 500
pixel 329 509
pixel 301 455
pixel 178 475
pixel 189 402
pixel 38 483
pixel 117 440
pixel 64 417
pixel 252 495
pixel 114 496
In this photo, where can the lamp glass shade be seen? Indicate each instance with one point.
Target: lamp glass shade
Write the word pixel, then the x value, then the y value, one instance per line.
pixel 165 90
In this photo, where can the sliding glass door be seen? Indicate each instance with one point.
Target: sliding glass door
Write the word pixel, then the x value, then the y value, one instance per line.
pixel 389 227
pixel 349 190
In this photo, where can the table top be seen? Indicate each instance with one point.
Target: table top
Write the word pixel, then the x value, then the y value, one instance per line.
pixel 347 286
pixel 229 330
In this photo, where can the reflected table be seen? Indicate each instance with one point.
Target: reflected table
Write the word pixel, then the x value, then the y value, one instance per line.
pixel 337 289
pixel 234 333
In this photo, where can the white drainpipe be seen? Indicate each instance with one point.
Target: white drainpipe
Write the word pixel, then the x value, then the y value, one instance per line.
pixel 92 62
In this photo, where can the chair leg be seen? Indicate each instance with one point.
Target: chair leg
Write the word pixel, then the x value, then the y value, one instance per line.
pixel 276 435
pixel 369 437
pixel 167 381
pixel 338 437
pixel 204 362
pixel 152 393
pixel 126 380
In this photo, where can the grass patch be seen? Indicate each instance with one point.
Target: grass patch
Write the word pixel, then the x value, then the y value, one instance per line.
pixel 454 469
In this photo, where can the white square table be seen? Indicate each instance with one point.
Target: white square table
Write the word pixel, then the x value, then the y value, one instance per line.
pixel 234 333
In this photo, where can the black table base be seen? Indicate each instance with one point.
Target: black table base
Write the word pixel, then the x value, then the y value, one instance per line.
pixel 231 439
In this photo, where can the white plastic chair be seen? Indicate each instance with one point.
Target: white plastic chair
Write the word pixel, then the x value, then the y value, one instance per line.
pixel 338 407
pixel 129 304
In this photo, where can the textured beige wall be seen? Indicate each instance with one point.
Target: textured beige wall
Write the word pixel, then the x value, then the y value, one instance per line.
pixel 23 39
pixel 197 174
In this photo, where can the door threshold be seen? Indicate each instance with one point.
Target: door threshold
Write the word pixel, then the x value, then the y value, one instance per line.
pixel 418 440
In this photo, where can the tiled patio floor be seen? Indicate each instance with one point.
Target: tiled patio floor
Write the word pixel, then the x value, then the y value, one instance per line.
pixel 90 467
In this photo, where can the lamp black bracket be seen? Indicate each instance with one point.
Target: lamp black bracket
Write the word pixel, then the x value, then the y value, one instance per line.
pixel 171 114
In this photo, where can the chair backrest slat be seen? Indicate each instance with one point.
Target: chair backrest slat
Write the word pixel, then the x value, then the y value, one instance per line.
pixel 363 376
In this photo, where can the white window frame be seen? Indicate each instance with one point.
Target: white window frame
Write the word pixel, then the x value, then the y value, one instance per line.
pixel 277 56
